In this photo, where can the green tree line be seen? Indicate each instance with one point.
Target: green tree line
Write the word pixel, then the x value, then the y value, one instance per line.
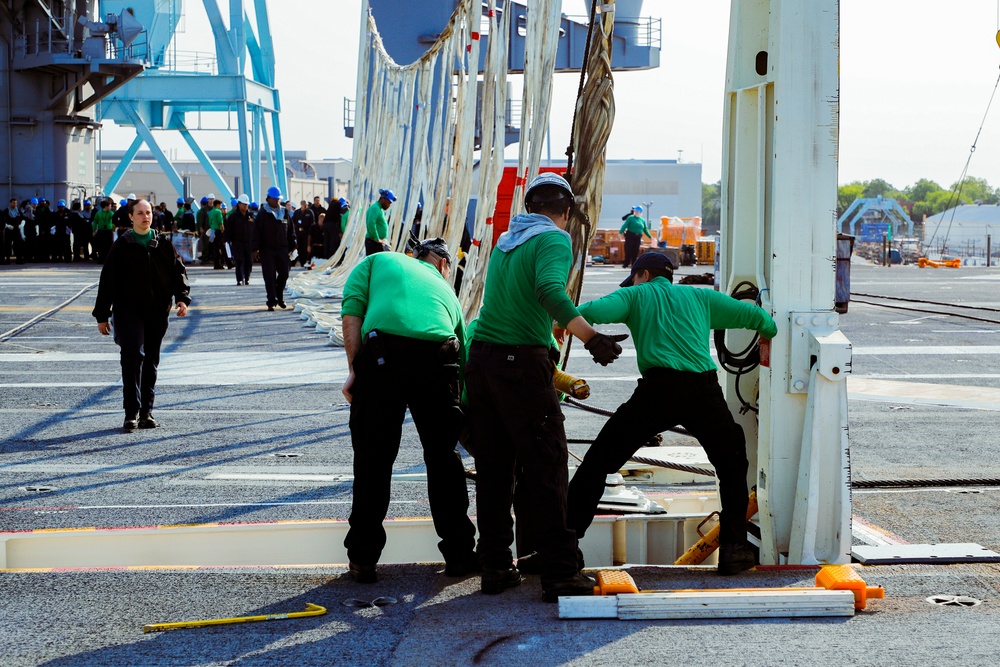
pixel 923 198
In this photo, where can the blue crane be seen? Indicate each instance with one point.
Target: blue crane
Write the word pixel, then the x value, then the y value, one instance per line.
pixel 176 85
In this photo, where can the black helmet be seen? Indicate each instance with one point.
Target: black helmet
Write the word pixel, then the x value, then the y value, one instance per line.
pixel 437 246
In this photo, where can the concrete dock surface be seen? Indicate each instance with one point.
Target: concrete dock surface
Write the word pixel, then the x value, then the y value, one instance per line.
pixel 253 425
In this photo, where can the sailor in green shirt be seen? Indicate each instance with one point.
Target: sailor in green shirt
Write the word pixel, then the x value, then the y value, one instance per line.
pixel 216 226
pixel 634 228
pixel 104 230
pixel 376 225
pixel 404 334
pixel 514 412
pixel 671 325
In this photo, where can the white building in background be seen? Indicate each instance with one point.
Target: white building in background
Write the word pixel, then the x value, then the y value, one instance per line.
pixel 328 177
pixel 964 231
pixel 662 187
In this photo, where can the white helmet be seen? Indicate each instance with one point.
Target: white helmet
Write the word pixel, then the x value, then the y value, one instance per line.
pixel 549 178
pixel 243 199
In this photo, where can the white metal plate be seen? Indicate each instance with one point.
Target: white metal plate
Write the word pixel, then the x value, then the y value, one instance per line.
pixel 941 554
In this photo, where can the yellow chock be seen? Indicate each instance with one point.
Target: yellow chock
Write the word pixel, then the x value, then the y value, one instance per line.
pixel 707 545
pixel 845 578
pixel 613 582
pixel 311 610
pixel 569 385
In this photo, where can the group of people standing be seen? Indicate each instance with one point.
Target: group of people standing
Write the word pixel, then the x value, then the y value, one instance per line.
pixel 33 230
pixel 408 346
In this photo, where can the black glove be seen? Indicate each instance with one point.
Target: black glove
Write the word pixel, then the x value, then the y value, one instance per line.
pixel 605 349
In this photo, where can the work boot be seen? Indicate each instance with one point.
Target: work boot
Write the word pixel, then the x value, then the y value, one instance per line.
pixel 532 563
pixel 735 558
pixel 578 584
pixel 281 304
pixel 363 574
pixel 147 421
pixel 497 581
pixel 459 567
pixel 131 423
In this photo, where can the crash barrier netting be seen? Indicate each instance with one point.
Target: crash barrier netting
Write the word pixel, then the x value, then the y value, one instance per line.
pixel 430 158
pixel 418 139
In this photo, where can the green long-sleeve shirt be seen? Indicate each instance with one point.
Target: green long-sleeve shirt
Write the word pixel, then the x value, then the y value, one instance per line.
pixel 103 221
pixel 636 225
pixel 344 217
pixel 525 290
pixel 215 219
pixel 375 223
pixel 403 296
pixel 671 324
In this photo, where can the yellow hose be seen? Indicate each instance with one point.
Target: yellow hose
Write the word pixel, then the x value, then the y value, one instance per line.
pixel 704 547
pixel 569 385
pixel 311 610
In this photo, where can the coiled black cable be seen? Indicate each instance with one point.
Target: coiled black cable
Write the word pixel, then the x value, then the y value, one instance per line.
pixel 740 363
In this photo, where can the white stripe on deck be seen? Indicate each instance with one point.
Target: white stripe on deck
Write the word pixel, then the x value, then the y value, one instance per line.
pixel 311 366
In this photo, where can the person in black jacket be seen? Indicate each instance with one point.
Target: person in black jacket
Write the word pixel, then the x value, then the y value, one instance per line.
pixel 142 277
pixel 10 233
pixel 239 236
pixel 331 228
pixel 274 238
pixel 303 220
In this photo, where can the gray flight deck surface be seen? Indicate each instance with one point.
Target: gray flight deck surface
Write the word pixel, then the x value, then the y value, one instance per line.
pixel 239 385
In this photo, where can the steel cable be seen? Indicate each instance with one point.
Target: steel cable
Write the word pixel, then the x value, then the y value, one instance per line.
pixel 38 318
pixel 933 303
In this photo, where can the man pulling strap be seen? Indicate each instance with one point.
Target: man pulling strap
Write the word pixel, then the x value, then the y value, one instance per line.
pixel 670 326
pixel 513 407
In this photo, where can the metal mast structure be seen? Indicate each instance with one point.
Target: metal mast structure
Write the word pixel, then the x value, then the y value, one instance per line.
pixel 56 62
pixel 177 85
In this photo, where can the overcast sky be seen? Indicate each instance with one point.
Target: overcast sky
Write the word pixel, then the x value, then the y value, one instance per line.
pixel 916 78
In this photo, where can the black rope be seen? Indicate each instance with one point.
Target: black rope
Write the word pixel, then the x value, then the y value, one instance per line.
pixel 610 413
pixel 921 483
pixel 740 363
pixel 933 303
pixel 579 90
pixel 957 191
pixel 931 312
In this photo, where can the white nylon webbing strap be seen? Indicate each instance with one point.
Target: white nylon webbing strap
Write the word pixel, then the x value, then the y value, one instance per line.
pixel 421 145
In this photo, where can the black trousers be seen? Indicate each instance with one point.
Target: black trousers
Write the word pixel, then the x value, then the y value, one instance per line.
pixel 139 337
pixel 219 251
pixel 81 246
pixel 302 241
pixel 632 241
pixel 372 246
pixel 243 258
pixel 663 399
pixel 517 424
pixel 381 394
pixel 103 240
pixel 274 266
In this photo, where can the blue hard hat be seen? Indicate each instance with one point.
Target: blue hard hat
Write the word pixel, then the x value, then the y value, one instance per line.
pixel 61 203
pixel 234 201
pixel 388 194
pixel 180 200
pixel 637 208
pixel 343 202
pixel 34 200
pixel 123 202
pixel 274 192
pixel 254 205
pixel 87 202
pixel 204 200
